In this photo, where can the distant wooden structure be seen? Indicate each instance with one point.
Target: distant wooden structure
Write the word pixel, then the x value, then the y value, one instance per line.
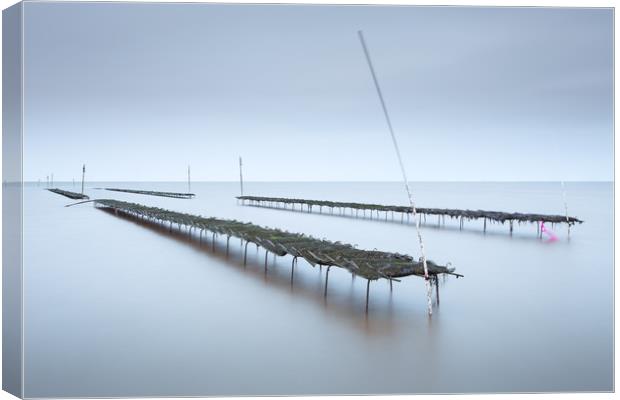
pixel 153 193
pixel 404 211
pixel 71 195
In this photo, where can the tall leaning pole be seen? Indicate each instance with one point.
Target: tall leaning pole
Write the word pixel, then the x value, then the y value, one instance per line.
pixel 402 170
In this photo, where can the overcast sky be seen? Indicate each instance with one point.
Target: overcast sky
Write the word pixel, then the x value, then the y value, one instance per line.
pixel 139 91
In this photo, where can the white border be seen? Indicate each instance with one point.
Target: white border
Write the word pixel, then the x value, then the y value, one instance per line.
pixel 481 3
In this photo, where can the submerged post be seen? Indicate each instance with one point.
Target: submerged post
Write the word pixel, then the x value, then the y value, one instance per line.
pixel 404 174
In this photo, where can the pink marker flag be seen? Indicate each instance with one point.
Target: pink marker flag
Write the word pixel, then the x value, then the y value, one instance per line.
pixel 550 233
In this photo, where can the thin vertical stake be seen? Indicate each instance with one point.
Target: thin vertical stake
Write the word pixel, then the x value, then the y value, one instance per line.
pixel 83 173
pixel 241 175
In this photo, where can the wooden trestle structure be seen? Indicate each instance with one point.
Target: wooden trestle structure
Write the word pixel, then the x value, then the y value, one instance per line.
pixel 71 195
pixel 405 212
pixel 371 265
pixel 153 193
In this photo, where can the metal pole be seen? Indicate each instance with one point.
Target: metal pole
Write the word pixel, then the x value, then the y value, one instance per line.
pixel 402 168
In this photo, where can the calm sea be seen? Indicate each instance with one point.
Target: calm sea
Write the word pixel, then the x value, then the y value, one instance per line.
pixel 116 308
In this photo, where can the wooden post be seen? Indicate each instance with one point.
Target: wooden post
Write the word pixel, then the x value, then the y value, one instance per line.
pixel 83 174
pixel 227 242
pixel 565 208
pixel 367 294
pixel 437 288
pixel 245 253
pixel 293 268
pixel 266 254
pixel 326 280
pixel 241 175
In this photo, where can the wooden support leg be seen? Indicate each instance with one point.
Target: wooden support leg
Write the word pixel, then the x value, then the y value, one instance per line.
pixel 213 242
pixel 293 269
pixel 326 280
pixel 245 254
pixel 266 254
pixel 227 245
pixel 437 288
pixel 428 296
pixel 367 294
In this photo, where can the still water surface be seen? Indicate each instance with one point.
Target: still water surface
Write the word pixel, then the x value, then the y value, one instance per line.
pixel 116 308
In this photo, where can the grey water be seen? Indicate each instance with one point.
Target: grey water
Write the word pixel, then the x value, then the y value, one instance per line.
pixel 116 307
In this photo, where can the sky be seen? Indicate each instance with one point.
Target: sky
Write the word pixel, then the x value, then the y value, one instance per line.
pixel 140 91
